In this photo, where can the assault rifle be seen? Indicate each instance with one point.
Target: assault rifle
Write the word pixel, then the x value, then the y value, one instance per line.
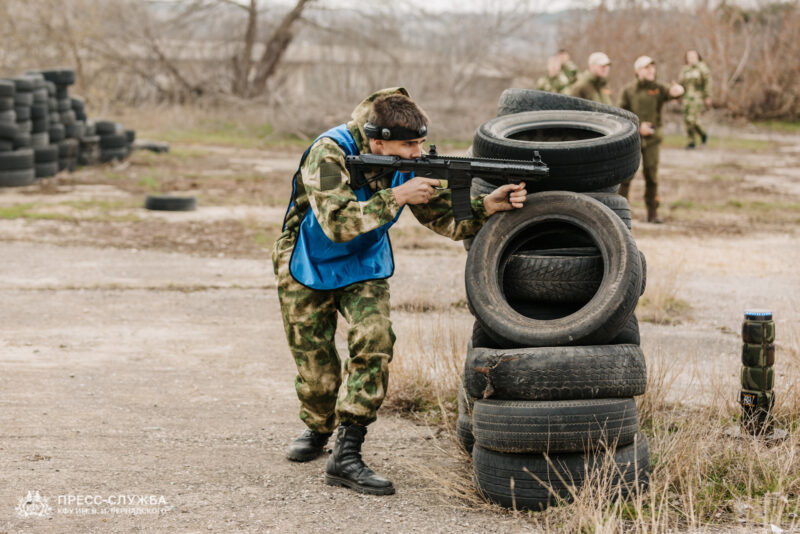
pixel 458 172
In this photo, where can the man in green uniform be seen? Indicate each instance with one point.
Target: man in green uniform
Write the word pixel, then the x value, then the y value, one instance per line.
pixel 645 97
pixel 569 68
pixel 334 257
pixel 556 80
pixel 591 84
pixel 696 79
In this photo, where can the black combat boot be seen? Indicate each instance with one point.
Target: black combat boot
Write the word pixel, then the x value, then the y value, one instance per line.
pixel 652 216
pixel 346 468
pixel 308 446
pixel 690 145
pixel 703 138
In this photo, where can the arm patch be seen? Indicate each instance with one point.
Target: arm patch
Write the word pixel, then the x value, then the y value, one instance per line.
pixel 330 176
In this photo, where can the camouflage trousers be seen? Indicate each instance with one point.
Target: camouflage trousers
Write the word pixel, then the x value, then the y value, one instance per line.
pixel 310 317
pixel 691 117
pixel 650 155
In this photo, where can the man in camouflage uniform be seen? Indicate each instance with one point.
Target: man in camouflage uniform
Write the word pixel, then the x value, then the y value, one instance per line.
pixel 326 263
pixel 591 84
pixel 645 97
pixel 556 80
pixel 696 79
pixel 569 68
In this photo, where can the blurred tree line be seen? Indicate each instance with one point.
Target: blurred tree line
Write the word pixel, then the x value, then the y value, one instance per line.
pixel 305 59
pixel 753 53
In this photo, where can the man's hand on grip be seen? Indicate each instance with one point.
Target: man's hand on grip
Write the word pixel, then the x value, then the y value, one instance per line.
pixel 418 190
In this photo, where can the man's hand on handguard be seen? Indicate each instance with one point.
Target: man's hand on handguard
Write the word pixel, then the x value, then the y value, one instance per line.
pixel 418 190
pixel 505 198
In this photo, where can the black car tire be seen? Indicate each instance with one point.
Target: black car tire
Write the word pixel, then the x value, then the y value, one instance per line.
pixel 113 141
pixel 106 127
pixel 18 177
pixel 45 154
pixel 555 373
pixel 520 100
pixel 565 275
pixel 16 160
pixel 45 170
pixel 522 426
pixel 584 151
pixel 170 203
pixel 534 482
pixel 597 322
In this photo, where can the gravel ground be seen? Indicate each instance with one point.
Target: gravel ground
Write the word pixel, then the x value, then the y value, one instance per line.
pixel 122 375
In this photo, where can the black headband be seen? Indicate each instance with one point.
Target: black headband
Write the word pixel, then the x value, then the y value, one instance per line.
pixel 395 133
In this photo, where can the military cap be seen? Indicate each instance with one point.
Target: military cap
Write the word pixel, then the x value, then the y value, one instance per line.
pixel 599 58
pixel 642 61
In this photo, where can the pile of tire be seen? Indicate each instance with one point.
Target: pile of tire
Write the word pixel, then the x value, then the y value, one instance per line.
pixel 69 146
pixel 44 130
pixel 554 363
pixel 115 140
pixel 16 155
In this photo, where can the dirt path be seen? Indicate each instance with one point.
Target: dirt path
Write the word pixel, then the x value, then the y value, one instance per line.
pixel 162 374
pixel 116 382
pixel 134 371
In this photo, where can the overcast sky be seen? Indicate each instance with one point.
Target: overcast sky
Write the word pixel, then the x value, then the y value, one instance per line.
pixel 476 5
pixel 495 5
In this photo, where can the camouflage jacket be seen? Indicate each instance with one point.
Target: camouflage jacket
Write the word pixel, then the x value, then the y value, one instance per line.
pixel 696 79
pixel 590 87
pixel 556 84
pixel 570 70
pixel 323 185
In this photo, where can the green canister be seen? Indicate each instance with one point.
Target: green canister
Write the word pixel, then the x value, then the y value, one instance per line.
pixel 757 376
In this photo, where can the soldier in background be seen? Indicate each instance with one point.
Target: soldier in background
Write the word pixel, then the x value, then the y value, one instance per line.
pixel 591 84
pixel 569 68
pixel 696 79
pixel 556 80
pixel 645 97
pixel 334 256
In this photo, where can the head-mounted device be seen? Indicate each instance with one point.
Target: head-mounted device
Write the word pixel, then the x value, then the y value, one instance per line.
pixel 395 133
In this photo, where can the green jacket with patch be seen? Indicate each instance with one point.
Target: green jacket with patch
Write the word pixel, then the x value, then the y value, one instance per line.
pixel 645 99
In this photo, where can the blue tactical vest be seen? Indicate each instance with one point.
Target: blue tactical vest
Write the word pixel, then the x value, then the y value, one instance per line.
pixel 319 263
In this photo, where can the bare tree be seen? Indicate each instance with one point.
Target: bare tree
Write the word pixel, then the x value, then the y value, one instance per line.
pixel 275 47
pixel 243 61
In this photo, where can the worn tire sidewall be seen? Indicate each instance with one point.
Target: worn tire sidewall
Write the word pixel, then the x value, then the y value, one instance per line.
pixel 595 323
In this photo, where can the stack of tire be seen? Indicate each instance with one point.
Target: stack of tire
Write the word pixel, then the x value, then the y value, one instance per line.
pixel 554 363
pixel 68 147
pixel 90 146
pixel 89 149
pixel 130 137
pixel 113 140
pixel 44 130
pixel 56 130
pixel 45 153
pixel 16 156
pixel 23 100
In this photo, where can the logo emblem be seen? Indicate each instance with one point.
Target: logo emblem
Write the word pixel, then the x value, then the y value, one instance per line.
pixel 33 505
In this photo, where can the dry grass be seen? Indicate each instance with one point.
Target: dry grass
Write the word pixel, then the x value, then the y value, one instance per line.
pixel 428 364
pixel 237 124
pixel 787 375
pixel 660 303
pixel 702 478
